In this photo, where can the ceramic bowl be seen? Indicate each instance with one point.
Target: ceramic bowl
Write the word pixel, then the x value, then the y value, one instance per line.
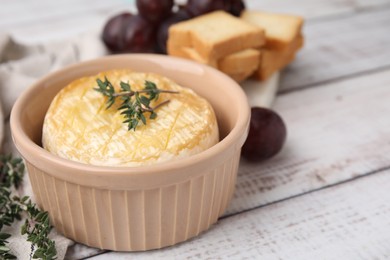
pixel 135 208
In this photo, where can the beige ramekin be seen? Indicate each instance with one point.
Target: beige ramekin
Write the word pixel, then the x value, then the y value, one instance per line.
pixel 138 208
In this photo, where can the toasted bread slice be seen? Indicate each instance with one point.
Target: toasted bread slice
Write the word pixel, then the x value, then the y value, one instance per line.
pixel 191 54
pixel 280 29
pixel 241 76
pixel 274 60
pixel 239 62
pixel 215 35
pixel 239 65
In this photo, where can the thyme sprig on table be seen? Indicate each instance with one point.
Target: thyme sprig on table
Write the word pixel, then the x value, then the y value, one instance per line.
pixel 11 171
pixel 134 103
pixel 37 224
pixel 37 227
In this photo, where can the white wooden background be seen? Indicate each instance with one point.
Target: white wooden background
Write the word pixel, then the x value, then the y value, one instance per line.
pixel 327 194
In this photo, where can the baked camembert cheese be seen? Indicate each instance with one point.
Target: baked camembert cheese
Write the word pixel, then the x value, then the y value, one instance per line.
pixel 79 127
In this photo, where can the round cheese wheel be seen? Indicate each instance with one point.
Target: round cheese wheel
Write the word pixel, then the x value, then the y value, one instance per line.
pixel 78 126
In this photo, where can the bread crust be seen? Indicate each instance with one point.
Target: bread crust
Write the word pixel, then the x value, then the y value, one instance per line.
pixel 215 35
pixel 240 62
pixel 275 60
pixel 280 29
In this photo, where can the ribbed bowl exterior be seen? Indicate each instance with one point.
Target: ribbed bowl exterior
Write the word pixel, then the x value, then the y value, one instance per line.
pixel 134 220
pixel 135 208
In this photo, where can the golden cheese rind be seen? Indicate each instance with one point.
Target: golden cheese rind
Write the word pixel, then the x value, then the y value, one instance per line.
pixel 78 126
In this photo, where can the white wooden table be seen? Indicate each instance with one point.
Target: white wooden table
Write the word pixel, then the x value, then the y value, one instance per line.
pixel 327 194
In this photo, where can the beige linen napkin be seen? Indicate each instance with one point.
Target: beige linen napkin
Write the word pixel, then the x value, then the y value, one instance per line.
pixel 20 66
pixel 1 125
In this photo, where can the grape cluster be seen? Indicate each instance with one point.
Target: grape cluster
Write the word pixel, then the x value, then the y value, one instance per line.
pixel 147 31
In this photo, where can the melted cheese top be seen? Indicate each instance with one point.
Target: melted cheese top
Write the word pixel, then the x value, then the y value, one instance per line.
pixel 78 126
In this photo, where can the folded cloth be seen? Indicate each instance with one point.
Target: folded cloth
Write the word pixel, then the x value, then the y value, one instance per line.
pixel 20 66
pixel 1 125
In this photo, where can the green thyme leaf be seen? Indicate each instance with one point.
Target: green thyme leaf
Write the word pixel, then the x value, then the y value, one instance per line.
pixel 125 86
pixel 37 224
pixel 107 89
pixel 134 103
pixel 153 115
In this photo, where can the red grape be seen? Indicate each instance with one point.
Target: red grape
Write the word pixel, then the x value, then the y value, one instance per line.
pixel 113 32
pixel 162 33
pixel 154 10
pixel 140 35
pixel 267 134
pixel 199 7
pixel 234 7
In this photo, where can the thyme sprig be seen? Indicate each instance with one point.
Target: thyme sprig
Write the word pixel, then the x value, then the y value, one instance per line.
pixel 37 227
pixel 37 224
pixel 4 249
pixel 134 103
pixel 11 171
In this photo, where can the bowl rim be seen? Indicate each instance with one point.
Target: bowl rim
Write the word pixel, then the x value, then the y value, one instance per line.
pixel 33 152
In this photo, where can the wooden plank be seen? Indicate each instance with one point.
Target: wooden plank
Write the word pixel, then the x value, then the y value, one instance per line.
pixel 358 44
pixel 48 21
pixel 28 20
pixel 335 132
pixel 28 10
pixel 68 29
pixel 348 221
pixel 315 9
pixel 21 13
pixel 340 47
